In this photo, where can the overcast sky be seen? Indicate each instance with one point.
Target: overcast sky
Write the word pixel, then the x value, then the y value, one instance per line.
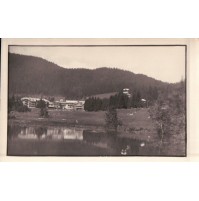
pixel 165 63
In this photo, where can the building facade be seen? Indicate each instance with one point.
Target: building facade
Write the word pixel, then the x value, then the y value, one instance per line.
pixel 65 105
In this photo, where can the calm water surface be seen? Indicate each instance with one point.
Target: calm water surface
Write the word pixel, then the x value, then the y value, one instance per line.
pixel 71 141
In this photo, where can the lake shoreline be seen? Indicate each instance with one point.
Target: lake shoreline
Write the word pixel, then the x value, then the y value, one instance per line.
pixel 135 122
pixel 136 125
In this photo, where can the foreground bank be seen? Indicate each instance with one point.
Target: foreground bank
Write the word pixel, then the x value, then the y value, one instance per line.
pixel 83 133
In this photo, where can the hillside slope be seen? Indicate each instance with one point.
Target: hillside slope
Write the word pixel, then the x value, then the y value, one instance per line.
pixel 33 75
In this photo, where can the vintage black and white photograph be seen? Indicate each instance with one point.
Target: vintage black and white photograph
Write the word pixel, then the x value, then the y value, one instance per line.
pixel 97 100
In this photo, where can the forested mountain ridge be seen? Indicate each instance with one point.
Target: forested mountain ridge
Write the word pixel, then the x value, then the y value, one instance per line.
pixel 34 75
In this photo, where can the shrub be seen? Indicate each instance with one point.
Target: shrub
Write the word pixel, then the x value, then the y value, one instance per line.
pixel 111 119
pixel 44 113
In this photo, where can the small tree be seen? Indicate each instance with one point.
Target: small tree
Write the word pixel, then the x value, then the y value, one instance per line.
pixel 41 104
pixel 111 119
pixel 43 108
pixel 163 121
pixel 44 112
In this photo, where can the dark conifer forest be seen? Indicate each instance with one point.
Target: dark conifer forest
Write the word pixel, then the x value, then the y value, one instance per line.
pixel 29 75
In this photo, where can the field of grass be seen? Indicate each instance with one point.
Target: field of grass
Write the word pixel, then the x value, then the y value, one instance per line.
pixel 60 117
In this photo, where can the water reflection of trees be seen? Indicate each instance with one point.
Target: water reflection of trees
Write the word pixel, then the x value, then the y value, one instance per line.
pixel 13 131
pixel 39 131
pixel 113 142
pixel 100 137
pixel 110 142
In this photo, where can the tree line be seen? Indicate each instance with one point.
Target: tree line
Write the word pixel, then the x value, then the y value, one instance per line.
pixel 121 101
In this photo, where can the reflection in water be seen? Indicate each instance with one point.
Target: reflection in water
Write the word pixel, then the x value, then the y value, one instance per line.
pixel 52 133
pixel 70 141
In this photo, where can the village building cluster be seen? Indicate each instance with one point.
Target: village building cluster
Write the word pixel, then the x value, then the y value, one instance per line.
pixel 61 104
pixel 72 105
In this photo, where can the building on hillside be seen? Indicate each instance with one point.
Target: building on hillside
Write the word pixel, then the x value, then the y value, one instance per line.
pixel 74 105
pixel 62 104
pixel 57 105
pixel 68 104
pixel 51 105
pixel 126 92
pixel 30 102
pixel 46 101
pixel 144 103
pixel 80 105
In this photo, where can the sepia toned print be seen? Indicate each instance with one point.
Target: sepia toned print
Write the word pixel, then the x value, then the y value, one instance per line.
pixel 97 100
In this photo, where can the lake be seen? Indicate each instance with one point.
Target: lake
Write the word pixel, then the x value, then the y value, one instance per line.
pixel 72 141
